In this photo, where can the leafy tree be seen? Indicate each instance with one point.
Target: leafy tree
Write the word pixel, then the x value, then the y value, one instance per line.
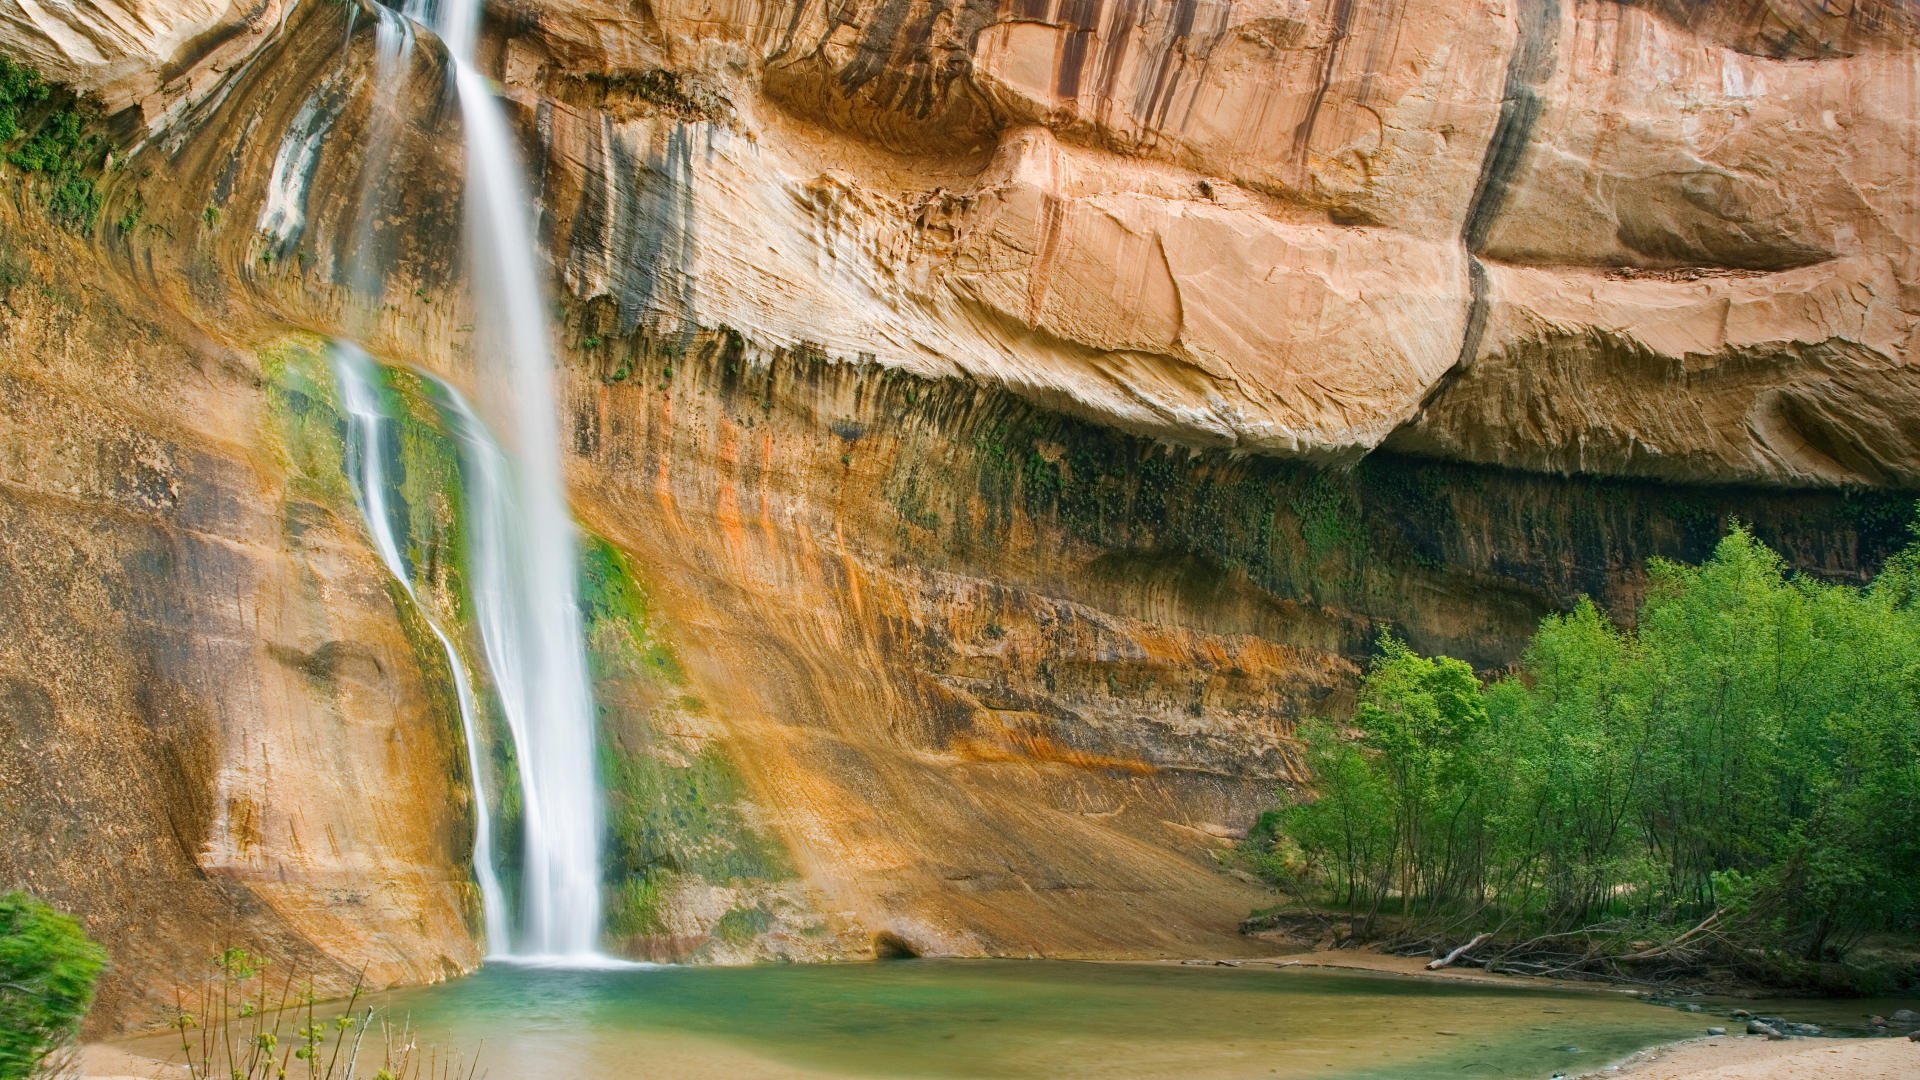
pixel 1748 755
pixel 47 970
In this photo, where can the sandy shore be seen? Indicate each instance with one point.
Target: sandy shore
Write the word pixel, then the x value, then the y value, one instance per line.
pixel 1726 1057
pixel 1731 1057
pixel 1753 1057
pixel 105 1061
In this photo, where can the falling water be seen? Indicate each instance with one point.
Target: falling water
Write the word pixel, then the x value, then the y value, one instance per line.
pixel 523 568
pixel 392 49
pixel 524 573
pixel 369 471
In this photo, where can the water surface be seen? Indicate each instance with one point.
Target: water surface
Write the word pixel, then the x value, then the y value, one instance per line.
pixel 934 1018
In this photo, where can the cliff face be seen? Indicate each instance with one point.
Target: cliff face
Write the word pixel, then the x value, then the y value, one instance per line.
pixel 1014 414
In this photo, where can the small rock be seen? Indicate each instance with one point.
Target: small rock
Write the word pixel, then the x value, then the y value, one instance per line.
pixel 1716 1031
pixel 1876 1021
pixel 1755 1027
pixel 1692 1008
pixel 1913 1036
pixel 1742 1014
pixel 1812 1031
pixel 1904 1016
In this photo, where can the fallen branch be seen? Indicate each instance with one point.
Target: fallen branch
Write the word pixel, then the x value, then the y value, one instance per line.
pixel 1456 954
pixel 1671 947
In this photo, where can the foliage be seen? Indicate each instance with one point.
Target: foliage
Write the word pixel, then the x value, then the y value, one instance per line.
pixel 61 144
pixel 247 1025
pixel 47 970
pixel 1747 759
pixel 20 88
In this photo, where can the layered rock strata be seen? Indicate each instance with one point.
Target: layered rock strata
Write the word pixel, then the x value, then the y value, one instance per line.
pixel 1018 415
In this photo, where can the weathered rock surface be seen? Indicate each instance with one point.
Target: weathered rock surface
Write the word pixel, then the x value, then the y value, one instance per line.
pixel 216 729
pixel 1247 224
pixel 979 388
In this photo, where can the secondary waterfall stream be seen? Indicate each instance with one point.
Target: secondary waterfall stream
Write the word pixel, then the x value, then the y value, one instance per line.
pixel 523 567
pixel 370 472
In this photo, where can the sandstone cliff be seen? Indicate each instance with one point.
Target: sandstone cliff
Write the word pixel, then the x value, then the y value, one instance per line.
pixel 1016 414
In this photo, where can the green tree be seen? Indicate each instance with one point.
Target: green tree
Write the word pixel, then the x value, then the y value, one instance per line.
pixel 1747 756
pixel 48 966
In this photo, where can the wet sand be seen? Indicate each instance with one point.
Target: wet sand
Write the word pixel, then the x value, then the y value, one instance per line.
pixel 1753 1057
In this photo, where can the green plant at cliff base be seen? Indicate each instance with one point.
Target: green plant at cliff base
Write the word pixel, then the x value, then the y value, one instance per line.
pixel 48 966
pixel 251 1026
pixel 1736 780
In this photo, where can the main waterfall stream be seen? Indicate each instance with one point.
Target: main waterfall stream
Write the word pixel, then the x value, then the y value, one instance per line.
pixel 526 570
pixel 523 567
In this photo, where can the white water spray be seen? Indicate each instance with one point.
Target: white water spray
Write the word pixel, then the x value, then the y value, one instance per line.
pixel 369 472
pixel 525 575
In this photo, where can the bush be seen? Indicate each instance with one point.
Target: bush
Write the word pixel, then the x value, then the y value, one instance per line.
pixel 47 970
pixel 1747 757
pixel 63 147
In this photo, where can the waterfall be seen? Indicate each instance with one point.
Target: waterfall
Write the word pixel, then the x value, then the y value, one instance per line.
pixel 392 49
pixel 525 576
pixel 368 470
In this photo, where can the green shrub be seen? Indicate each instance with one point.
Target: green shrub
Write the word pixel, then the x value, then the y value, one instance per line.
pixel 19 88
pixel 47 970
pixel 248 1026
pixel 62 146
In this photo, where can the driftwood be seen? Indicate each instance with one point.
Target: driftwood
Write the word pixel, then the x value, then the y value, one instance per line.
pixel 1671 947
pixel 1456 954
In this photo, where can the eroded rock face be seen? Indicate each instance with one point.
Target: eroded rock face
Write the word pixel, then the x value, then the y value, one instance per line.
pixel 1022 413
pixel 1250 224
pixel 217 730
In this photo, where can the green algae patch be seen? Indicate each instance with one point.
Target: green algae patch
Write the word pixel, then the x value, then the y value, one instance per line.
pixel 742 924
pixel 304 413
pixel 679 816
pixel 614 604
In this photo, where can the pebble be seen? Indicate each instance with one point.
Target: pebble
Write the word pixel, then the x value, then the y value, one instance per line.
pixel 1716 1031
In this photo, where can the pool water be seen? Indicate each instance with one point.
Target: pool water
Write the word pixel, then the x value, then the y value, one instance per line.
pixel 1003 1018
